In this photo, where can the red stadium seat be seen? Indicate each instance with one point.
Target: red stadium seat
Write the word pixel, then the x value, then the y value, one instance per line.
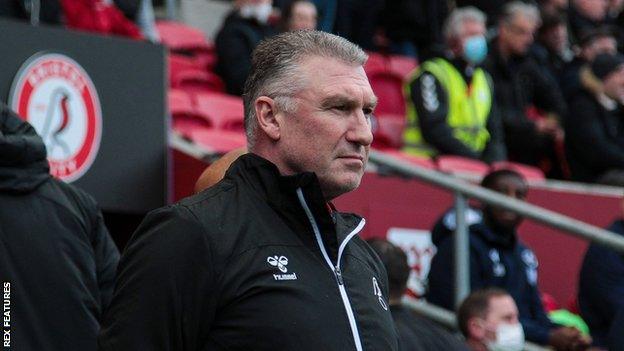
pixel 388 87
pixel 461 165
pixel 388 131
pixel 180 37
pixel 225 111
pixel 529 172
pixel 218 141
pixel 402 65
pixel 185 117
pixel 197 80
pixel 376 62
pixel 415 160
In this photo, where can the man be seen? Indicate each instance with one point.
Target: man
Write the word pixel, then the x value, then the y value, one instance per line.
pixel 601 287
pixel 416 333
pixel 552 49
pixel 520 85
pixel 57 260
pixel 586 15
pixel 488 319
pixel 595 125
pixel 497 259
pixel 241 32
pixel 261 260
pixel 299 15
pixel 449 100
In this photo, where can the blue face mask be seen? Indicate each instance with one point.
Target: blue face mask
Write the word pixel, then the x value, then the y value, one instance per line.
pixel 475 49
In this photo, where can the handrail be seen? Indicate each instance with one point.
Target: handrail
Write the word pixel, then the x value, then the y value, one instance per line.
pixel 539 214
pixel 447 318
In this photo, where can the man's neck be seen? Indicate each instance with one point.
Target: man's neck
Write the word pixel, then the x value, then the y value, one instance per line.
pixel 475 345
pixel 503 51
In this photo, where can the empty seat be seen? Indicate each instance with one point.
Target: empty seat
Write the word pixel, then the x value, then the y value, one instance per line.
pixel 388 87
pixel 218 141
pixel 388 131
pixel 461 165
pixel 197 81
pixel 529 172
pixel 181 37
pixel 225 111
pixel 402 65
pixel 185 117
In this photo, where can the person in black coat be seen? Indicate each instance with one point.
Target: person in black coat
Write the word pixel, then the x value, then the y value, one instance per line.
pixel 241 32
pixel 57 260
pixel 497 259
pixel 595 124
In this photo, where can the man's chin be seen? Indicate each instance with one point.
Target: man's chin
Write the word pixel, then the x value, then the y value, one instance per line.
pixel 332 190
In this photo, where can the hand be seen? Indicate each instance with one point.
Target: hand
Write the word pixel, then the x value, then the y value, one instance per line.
pixel 548 126
pixel 565 339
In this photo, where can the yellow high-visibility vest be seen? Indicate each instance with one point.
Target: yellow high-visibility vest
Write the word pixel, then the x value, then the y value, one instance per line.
pixel 468 108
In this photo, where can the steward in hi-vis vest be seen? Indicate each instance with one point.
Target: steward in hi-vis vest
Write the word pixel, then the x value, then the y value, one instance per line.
pixel 450 106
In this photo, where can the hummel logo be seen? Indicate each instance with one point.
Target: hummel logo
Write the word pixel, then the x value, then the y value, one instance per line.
pixel 281 262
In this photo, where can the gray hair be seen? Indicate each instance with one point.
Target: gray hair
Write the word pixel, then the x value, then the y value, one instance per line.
pixel 275 69
pixel 519 8
pixel 454 25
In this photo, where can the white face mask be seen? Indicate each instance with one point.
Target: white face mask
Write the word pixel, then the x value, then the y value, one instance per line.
pixel 261 12
pixel 509 337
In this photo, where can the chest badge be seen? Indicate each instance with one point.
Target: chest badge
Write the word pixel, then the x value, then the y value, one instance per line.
pixel 280 262
pixel 377 292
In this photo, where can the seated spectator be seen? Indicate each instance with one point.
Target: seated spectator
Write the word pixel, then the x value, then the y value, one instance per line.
pixel 414 27
pixel 298 15
pixel 241 32
pixel 552 48
pixel 488 319
pixel 586 15
pixel 416 333
pixel 595 42
pixel 601 287
pixel 450 108
pixel 520 85
pixel 98 16
pixel 491 8
pixel 497 259
pixel 595 125
pixel 56 256
pixel 49 11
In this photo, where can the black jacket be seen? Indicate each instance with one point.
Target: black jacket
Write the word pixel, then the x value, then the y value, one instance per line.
pixel 241 266
pixel 55 252
pixel 595 138
pixel 601 287
pixel 235 43
pixel 418 333
pixel 496 260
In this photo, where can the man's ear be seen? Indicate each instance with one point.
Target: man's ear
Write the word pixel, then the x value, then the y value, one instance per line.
pixel 266 111
pixel 476 329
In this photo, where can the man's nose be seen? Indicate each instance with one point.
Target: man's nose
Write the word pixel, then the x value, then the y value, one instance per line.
pixel 360 131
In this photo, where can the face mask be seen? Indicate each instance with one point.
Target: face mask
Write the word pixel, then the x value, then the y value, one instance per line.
pixel 260 12
pixel 509 337
pixel 475 49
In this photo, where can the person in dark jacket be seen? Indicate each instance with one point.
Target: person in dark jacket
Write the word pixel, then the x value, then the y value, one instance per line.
pixel 497 259
pixel 241 32
pixel 586 15
pixel 57 260
pixel 262 260
pixel 416 333
pixel 601 287
pixel 616 335
pixel 520 84
pixel 595 125
pixel 449 100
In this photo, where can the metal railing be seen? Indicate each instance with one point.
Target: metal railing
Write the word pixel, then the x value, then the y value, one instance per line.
pixel 464 190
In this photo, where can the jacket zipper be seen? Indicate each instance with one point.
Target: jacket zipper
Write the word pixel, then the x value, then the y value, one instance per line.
pixel 336 268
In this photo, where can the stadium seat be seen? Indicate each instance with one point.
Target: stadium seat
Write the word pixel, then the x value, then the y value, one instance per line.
pixel 402 65
pixel 376 62
pixel 185 117
pixel 388 87
pixel 180 37
pixel 197 81
pixel 218 141
pixel 414 160
pixel 225 111
pixel 388 131
pixel 461 165
pixel 529 172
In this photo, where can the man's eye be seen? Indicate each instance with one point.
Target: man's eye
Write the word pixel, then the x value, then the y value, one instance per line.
pixel 368 112
pixel 341 107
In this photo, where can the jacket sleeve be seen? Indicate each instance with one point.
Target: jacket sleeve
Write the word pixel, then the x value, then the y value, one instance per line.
pixel 582 128
pixel 106 259
pixel 165 287
pixel 431 103
pixel 537 327
pixel 495 150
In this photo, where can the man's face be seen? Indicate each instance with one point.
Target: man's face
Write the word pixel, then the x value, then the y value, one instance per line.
pixel 502 310
pixel 556 39
pixel 470 29
pixel 601 45
pixel 303 16
pixel 593 9
pixel 511 186
pixel 614 85
pixel 518 34
pixel 330 132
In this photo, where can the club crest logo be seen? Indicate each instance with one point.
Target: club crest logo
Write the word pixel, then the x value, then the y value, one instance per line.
pixel 57 97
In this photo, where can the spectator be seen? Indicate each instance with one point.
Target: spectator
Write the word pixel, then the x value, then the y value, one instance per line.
pixel 241 32
pixel 99 16
pixel 492 9
pixel 324 9
pixel 414 27
pixel 141 12
pixel 601 286
pixel 595 42
pixel 298 15
pixel 488 319
pixel 358 21
pixel 449 100
pixel 586 15
pixel 521 84
pixel 497 259
pixel 552 49
pixel 595 125
pixel 49 11
pixel 553 7
pixel 55 251
pixel 416 333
